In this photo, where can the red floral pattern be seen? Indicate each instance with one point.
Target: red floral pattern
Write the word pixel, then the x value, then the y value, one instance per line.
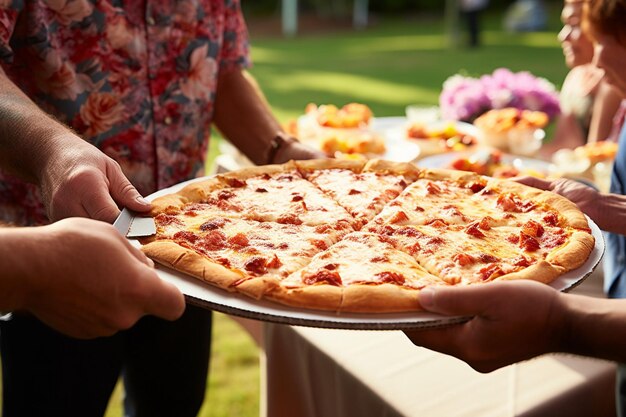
pixel 135 78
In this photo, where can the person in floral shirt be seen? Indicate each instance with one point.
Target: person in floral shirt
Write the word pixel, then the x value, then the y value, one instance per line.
pixel 143 82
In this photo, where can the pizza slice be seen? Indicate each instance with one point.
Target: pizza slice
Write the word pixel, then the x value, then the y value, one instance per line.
pixel 227 251
pixel 276 193
pixel 363 189
pixel 468 229
pixel 363 272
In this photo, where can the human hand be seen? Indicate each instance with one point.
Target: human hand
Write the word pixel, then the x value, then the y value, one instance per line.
pixel 297 151
pixel 584 196
pixel 88 281
pixel 512 321
pixel 78 180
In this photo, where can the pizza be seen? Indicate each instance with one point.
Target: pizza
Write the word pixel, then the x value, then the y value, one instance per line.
pixel 352 236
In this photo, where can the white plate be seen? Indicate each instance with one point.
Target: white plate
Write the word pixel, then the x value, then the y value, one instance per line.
pixel 399 133
pixel 521 163
pixel 396 150
pixel 207 296
pixel 399 149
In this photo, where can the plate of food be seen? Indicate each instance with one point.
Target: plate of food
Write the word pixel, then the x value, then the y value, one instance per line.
pixel 512 130
pixel 351 132
pixel 436 137
pixel 490 162
pixel 342 244
pixel 340 130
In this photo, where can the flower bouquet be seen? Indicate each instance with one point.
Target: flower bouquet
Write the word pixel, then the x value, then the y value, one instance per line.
pixel 466 98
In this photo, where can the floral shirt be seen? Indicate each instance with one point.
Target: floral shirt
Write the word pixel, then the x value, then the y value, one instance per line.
pixel 136 78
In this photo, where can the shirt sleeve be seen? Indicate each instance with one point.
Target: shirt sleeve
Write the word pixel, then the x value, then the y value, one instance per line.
pixel 235 53
pixel 8 19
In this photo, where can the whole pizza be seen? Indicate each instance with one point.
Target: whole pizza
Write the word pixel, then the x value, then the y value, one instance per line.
pixel 363 236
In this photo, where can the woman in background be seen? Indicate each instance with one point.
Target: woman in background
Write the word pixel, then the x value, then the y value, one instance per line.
pixel 588 104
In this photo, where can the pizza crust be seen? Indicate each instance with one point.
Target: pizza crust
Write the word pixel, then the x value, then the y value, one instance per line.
pixel 317 297
pixel 574 253
pixel 541 271
pixel 312 165
pixel 383 298
pixel 190 262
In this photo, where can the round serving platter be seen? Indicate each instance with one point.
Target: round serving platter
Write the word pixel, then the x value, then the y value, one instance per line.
pixel 207 296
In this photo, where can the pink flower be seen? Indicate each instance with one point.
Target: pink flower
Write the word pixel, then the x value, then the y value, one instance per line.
pixel 201 76
pixel 466 98
pixel 59 79
pixel 68 11
pixel 100 112
pixel 118 34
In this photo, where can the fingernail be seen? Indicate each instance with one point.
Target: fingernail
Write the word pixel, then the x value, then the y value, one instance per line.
pixel 427 297
pixel 142 200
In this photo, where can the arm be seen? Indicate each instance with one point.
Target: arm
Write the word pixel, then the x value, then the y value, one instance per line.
pixel 567 134
pixel 82 278
pixel 608 211
pixel 244 117
pixel 605 105
pixel 76 179
pixel 518 320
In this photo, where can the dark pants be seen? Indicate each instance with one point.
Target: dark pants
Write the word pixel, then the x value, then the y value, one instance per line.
pixel 164 365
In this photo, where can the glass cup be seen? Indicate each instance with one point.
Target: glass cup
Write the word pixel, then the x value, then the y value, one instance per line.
pixel 422 114
pixel 602 175
pixel 525 142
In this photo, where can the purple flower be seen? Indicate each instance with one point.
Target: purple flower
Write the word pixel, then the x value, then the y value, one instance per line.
pixel 466 98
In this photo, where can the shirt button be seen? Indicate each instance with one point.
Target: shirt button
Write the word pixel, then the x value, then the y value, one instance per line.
pixel 150 20
pixel 151 76
pixel 167 120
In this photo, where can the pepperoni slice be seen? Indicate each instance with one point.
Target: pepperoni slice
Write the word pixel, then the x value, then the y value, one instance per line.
pixel 322 276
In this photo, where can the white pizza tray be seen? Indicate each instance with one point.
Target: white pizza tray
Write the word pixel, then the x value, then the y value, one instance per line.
pixel 207 296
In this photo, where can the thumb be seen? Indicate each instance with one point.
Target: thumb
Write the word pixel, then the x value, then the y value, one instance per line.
pixel 457 301
pixel 122 191
pixel 534 182
pixel 164 299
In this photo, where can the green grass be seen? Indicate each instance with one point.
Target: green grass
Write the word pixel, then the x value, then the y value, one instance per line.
pixel 233 386
pixel 388 66
pixel 396 63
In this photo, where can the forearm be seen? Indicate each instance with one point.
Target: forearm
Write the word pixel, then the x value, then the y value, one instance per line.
pixel 595 327
pixel 605 105
pixel 25 130
pixel 244 117
pixel 609 213
pixel 19 264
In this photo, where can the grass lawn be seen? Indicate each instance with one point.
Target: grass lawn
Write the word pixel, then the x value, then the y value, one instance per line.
pixel 388 66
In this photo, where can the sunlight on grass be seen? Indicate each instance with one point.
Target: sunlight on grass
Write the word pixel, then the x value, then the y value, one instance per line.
pixel 234 376
pixel 359 88
pixel 390 44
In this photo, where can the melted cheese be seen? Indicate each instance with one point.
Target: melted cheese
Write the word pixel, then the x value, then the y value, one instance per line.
pixel 363 257
pixel 362 195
